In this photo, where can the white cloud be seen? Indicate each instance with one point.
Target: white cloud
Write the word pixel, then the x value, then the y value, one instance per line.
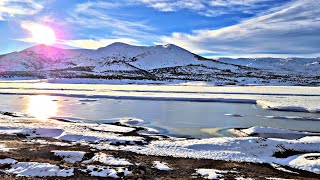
pixel 96 15
pixel 209 8
pixel 13 8
pixel 294 30
pixel 95 44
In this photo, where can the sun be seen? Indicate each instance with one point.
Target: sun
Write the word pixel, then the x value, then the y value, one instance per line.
pixel 41 34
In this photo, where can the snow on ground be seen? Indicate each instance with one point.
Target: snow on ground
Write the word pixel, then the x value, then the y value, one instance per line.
pixel 70 156
pixel 162 166
pixel 271 178
pixel 112 128
pixel 110 81
pixel 267 130
pixel 308 162
pixel 130 121
pixel 3 148
pixel 212 173
pixel 108 160
pixel 304 104
pixel 35 169
pixel 106 171
pixel 44 142
pixel 80 132
pixel 242 149
pixel 271 132
pixel 249 149
pixel 243 178
pixel 280 168
pixel 7 161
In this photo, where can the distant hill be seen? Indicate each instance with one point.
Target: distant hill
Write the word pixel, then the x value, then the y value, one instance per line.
pixel 162 62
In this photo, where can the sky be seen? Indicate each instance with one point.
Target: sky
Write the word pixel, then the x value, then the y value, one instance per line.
pixel 212 28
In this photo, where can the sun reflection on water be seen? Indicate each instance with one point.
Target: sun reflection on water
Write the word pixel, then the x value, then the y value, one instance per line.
pixel 42 107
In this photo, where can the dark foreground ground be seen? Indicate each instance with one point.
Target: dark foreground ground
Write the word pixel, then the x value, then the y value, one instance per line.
pixel 183 168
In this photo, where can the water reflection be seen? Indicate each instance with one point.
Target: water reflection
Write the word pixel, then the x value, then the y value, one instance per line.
pixel 42 106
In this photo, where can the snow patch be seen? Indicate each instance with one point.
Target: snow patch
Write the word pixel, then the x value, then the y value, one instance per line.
pixel 7 161
pixel 280 168
pixel 35 169
pixel 212 173
pixel 131 121
pixel 307 162
pixel 162 166
pixel 108 160
pixel 70 156
pixel 106 171
pixel 4 149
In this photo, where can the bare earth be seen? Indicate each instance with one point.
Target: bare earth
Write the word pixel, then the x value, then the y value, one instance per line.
pixel 183 168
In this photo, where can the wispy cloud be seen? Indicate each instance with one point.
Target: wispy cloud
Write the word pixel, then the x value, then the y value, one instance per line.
pixel 13 8
pixel 96 43
pixel 208 8
pixel 294 30
pixel 95 15
pixel 100 16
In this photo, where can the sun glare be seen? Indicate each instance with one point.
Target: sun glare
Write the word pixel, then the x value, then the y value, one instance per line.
pixel 41 34
pixel 42 107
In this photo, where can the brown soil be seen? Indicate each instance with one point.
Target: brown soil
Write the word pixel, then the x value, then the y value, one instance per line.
pixel 183 168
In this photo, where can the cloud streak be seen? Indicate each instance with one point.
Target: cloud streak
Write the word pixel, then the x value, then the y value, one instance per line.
pixel 95 15
pixel 95 44
pixel 210 8
pixel 99 16
pixel 294 30
pixel 13 8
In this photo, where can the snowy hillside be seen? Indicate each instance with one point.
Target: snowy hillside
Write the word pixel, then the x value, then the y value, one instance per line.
pixel 308 66
pixel 161 62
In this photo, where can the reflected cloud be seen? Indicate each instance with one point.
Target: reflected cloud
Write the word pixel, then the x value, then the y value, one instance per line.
pixel 42 106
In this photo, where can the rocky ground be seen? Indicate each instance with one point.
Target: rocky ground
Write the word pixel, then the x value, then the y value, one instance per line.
pixel 142 167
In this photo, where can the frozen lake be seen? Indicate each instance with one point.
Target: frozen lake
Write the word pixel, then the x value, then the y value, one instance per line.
pixel 161 107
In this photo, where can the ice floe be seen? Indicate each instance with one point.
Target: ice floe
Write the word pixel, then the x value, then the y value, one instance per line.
pixel 300 104
pixel 131 121
pixel 234 115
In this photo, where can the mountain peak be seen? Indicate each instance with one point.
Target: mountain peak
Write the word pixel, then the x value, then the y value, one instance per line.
pixel 40 47
pixel 170 46
pixel 119 44
pixel 115 45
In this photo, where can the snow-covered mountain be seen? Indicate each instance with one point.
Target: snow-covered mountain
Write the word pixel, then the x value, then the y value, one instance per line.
pixel 161 62
pixel 310 66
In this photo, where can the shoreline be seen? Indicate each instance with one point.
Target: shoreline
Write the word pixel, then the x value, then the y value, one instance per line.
pixel 28 145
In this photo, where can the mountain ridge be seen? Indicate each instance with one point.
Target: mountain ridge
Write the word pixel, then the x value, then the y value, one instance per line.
pixel 160 62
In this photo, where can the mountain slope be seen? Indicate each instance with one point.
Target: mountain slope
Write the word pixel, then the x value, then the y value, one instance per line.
pixel 161 62
pixel 308 66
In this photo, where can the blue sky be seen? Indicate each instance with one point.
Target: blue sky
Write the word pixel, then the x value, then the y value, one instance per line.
pixel 236 28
